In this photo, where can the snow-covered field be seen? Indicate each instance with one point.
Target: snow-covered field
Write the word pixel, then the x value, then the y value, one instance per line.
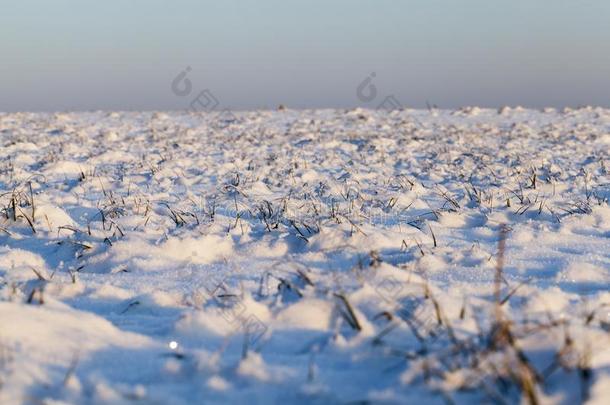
pixel 305 257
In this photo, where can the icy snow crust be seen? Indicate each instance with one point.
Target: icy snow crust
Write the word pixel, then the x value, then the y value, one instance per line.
pixel 305 257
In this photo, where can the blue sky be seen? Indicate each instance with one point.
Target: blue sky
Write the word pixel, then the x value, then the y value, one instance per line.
pixel 82 55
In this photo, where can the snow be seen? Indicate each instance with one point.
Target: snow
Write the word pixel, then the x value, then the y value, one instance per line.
pixel 323 256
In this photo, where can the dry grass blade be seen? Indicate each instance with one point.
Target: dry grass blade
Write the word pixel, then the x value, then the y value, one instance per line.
pixel 348 313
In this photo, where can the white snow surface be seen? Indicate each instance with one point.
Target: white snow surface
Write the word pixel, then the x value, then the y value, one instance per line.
pixel 325 256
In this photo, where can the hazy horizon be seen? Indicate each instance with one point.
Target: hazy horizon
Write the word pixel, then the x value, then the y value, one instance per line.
pixel 70 55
